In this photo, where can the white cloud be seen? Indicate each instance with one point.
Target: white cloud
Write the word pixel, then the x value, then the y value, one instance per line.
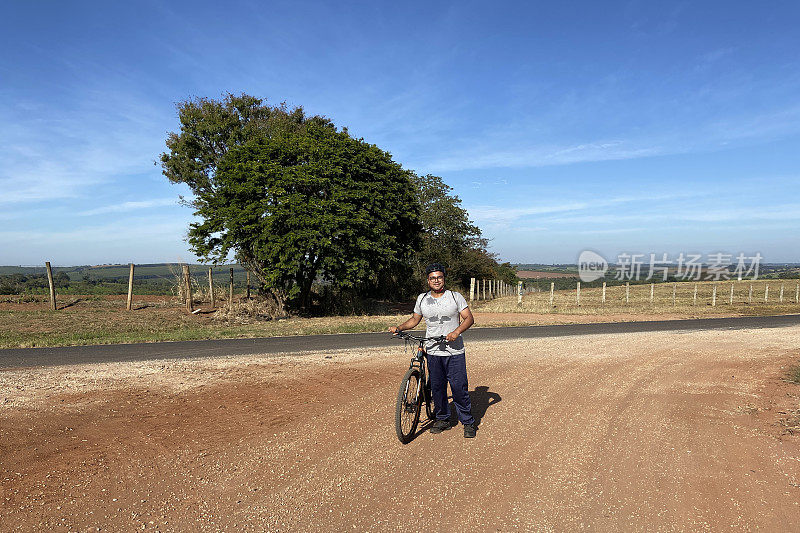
pixel 478 157
pixel 130 206
pixel 51 153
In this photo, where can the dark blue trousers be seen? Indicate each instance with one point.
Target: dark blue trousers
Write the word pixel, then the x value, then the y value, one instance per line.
pixel 452 369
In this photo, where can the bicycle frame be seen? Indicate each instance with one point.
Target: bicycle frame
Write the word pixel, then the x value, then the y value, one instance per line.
pixel 420 362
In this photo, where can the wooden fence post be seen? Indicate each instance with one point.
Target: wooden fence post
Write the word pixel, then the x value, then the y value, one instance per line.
pixel 797 293
pixel 130 290
pixel 604 293
pixel 731 302
pixel 578 294
pixel 519 293
pixel 483 284
pixel 471 289
pixel 187 283
pixel 652 290
pixel 627 291
pixel 211 287
pixel 714 296
pixel 248 284
pixel 230 291
pixel 674 290
pixel 766 293
pixel 552 286
pixel 781 296
pixel 52 287
pixel 750 295
pixel 694 298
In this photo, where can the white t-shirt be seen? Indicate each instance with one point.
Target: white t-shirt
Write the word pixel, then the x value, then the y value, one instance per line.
pixel 441 317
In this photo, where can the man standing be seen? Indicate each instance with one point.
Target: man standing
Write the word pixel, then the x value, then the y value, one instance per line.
pixel 447 362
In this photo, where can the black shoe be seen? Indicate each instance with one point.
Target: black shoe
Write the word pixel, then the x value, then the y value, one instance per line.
pixel 469 431
pixel 440 425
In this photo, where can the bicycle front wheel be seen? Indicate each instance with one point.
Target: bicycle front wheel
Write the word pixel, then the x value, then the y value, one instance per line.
pixel 429 402
pixel 409 401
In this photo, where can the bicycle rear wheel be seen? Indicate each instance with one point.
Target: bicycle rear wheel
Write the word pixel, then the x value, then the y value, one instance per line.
pixel 409 401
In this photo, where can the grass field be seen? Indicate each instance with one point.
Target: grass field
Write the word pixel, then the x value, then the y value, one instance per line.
pixel 766 299
pixel 27 321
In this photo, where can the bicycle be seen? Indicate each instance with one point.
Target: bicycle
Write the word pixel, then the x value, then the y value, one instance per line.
pixel 414 389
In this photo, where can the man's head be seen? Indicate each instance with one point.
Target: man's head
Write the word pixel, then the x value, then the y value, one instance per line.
pixel 435 272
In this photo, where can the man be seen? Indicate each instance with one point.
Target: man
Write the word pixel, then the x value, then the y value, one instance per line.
pixel 446 360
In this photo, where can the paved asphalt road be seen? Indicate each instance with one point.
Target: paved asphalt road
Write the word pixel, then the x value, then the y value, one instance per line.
pixel 70 355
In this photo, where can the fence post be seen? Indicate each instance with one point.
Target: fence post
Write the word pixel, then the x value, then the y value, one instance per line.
pixel 731 302
pixel 797 293
pixel 694 298
pixel 714 296
pixel 130 290
pixel 781 296
pixel 766 293
pixel 471 289
pixel 211 287
pixel 187 283
pixel 627 291
pixel 674 290
pixel 248 284
pixel 519 293
pixel 552 287
pixel 52 287
pixel 483 284
pixel 230 290
pixel 652 289
pixel 603 298
pixel 750 295
pixel 578 295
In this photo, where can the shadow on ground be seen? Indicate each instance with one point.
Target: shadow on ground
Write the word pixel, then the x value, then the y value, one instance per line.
pixel 481 400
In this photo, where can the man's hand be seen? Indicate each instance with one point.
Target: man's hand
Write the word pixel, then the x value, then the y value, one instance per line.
pixel 453 335
pixel 393 330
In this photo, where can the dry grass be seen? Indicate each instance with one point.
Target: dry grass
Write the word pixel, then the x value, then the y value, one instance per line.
pixel 106 321
pixel 27 322
pixel 565 302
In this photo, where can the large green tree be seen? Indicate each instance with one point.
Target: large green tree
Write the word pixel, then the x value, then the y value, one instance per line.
pixel 292 197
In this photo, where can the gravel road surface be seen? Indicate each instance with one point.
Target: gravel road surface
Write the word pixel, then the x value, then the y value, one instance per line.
pixel 648 431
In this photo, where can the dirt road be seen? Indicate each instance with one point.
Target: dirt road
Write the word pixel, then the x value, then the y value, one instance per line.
pixel 640 431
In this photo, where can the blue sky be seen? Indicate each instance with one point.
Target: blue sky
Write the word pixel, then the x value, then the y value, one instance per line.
pixel 614 126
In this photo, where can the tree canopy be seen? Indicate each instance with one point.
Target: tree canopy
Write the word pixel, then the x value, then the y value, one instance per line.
pixel 295 199
pixel 448 235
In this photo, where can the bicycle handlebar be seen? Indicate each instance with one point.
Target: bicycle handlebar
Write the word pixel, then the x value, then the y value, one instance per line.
pixel 404 335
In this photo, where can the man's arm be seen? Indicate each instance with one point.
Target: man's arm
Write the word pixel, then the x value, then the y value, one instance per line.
pixel 411 323
pixel 466 321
